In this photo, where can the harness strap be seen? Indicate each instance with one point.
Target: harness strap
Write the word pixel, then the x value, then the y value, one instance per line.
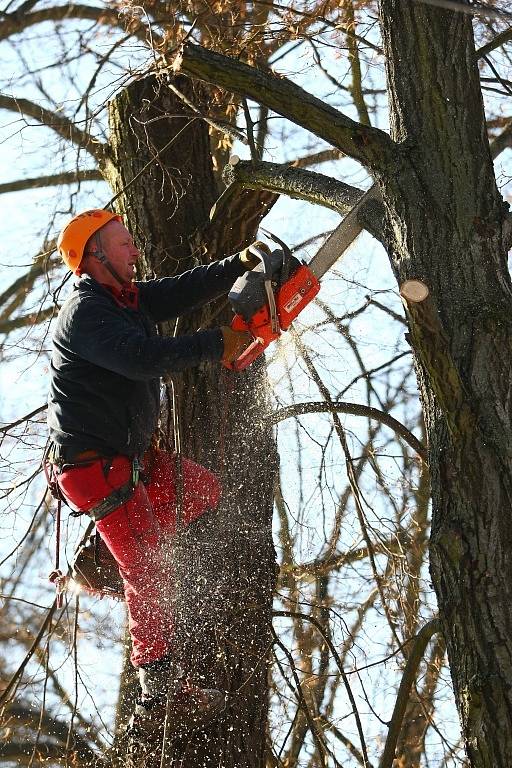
pixel 52 464
pixel 116 499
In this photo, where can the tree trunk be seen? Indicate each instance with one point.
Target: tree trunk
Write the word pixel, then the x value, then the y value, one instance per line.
pixel 224 563
pixel 445 227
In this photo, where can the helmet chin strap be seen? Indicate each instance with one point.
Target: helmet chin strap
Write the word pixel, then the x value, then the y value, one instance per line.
pixel 101 257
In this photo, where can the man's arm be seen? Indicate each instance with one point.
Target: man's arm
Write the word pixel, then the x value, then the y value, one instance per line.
pixel 173 296
pixel 101 335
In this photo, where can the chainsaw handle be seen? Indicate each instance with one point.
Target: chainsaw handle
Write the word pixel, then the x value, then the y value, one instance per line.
pixel 251 352
pixel 248 356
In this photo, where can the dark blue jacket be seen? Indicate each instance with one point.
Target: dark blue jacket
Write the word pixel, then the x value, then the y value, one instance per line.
pixel 107 359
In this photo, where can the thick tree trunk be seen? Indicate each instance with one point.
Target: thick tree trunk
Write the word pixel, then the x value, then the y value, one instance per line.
pixel 445 222
pixel 225 563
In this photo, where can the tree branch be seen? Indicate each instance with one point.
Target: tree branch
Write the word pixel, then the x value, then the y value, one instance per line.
pixel 411 669
pixel 293 182
pixel 339 664
pixel 315 158
pixel 328 726
pixel 58 123
pixel 234 219
pixel 10 689
pixel 33 318
pixel 18 290
pixel 324 565
pixel 370 146
pixel 4 428
pixel 49 753
pixel 502 141
pixel 500 39
pixel 28 717
pixel 68 177
pixel 355 409
pixel 13 24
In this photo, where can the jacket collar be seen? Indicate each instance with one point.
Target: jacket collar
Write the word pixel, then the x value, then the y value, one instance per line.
pixel 126 297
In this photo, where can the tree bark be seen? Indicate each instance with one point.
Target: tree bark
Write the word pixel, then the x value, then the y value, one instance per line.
pixel 445 227
pixel 224 563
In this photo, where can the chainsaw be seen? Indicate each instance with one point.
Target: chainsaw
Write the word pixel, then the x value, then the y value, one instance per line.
pixel 267 299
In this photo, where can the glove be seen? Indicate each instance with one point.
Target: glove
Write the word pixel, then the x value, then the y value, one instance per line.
pixel 250 260
pixel 234 343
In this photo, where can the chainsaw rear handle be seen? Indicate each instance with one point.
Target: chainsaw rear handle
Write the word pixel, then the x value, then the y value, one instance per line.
pixel 250 353
pixel 248 356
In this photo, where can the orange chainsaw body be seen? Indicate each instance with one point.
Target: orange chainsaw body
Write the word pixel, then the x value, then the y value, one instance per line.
pixel 291 298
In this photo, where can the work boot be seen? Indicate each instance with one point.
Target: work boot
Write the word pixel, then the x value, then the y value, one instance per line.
pixel 166 689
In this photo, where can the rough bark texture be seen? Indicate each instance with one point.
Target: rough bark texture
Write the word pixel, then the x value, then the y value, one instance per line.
pixel 445 227
pixel 225 563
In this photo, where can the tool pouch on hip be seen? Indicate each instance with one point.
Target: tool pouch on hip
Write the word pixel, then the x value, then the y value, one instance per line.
pixel 95 569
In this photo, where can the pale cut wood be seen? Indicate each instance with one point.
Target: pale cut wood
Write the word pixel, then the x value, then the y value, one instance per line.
pixel 414 290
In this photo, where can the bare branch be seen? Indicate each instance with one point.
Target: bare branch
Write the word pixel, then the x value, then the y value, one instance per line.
pixel 58 123
pixel 499 40
pixel 17 291
pixel 370 146
pixel 502 141
pixel 9 690
pixel 353 482
pixel 355 409
pixel 6 427
pixel 13 24
pixel 411 669
pixel 69 177
pixel 328 726
pixel 33 318
pixel 324 566
pixel 293 182
pixel 324 156
pixel 25 716
pixel 339 664
pixel 356 88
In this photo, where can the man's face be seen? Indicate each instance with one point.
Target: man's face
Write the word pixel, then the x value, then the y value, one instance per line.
pixel 118 247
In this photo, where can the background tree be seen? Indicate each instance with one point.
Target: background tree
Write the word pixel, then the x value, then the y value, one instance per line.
pixel 328 575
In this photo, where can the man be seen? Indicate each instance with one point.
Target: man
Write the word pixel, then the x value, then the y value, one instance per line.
pixel 102 412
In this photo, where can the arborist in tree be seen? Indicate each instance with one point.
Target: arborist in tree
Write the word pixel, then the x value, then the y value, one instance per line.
pixel 103 410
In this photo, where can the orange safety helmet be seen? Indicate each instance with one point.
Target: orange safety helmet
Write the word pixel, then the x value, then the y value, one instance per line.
pixel 73 237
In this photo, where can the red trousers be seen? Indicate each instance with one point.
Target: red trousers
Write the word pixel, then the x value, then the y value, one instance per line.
pixel 139 534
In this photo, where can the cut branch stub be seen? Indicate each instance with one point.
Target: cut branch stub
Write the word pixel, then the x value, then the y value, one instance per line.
pixel 414 291
pixel 432 349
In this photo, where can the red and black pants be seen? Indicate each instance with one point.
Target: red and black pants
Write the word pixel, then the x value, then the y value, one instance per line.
pixel 139 533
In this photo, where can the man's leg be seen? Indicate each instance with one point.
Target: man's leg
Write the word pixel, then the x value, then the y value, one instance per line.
pixel 135 533
pixel 190 706
pixel 131 533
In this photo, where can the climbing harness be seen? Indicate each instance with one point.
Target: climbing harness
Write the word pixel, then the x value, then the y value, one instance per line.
pixel 54 462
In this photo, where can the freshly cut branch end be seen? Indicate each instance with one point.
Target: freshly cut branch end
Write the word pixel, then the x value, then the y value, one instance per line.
pixel 234 160
pixel 414 291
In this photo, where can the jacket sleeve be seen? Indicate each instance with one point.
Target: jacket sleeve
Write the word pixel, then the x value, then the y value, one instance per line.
pixel 174 296
pixel 99 333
